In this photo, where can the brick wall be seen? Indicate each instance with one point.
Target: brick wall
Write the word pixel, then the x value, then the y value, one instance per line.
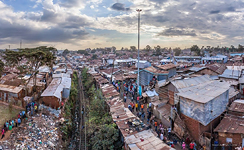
pixel 236 139
pixel 51 101
pixel 192 126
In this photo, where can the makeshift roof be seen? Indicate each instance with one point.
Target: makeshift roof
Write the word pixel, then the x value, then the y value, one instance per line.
pixel 218 68
pixel 54 88
pixel 156 71
pixel 231 124
pixel 10 89
pixel 205 92
pixel 146 140
pixel 167 66
pixel 196 69
pixel 200 89
pixel 232 74
pixel 180 84
pixel 237 106
pixel 233 92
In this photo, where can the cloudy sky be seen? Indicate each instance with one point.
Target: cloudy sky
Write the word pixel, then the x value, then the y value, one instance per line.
pixel 80 24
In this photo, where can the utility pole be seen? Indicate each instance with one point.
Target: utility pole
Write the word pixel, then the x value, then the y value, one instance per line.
pixel 138 75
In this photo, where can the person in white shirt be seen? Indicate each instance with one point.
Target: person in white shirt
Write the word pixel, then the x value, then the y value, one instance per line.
pixel 162 136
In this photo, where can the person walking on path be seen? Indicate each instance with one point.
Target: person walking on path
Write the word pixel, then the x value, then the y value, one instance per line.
pixel 156 125
pixel 142 106
pixel 191 146
pixel 136 106
pixel 183 146
pixel 142 116
pixel 162 136
pixel 3 133
pixel 169 132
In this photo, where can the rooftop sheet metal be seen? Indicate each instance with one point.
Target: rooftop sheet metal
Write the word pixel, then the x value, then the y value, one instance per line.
pixel 233 74
pixel 237 106
pixel 10 89
pixel 218 68
pixel 231 124
pixel 167 66
pixel 149 142
pixel 54 88
pixel 233 92
pixel 180 84
pixel 155 70
pixel 196 69
pixel 205 92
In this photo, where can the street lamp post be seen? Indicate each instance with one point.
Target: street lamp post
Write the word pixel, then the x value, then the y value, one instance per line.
pixel 138 76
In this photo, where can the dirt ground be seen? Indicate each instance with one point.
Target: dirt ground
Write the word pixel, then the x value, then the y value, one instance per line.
pixel 6 115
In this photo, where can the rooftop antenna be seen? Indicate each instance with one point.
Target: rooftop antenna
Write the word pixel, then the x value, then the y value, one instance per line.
pixel 20 44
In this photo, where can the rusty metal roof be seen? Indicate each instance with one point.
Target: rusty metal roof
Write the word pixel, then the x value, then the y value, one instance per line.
pixel 155 70
pixel 231 124
pixel 237 106
pixel 167 66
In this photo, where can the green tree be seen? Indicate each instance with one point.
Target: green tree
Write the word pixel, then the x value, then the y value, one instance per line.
pixel 65 52
pixel 177 51
pixel 133 48
pixel 240 48
pixel 105 138
pixel 94 56
pixel 196 49
pixel 35 57
pixel 158 50
pixel 82 52
pixel 148 48
pixel 1 67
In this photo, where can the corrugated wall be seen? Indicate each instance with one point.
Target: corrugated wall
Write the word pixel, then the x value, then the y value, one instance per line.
pixel 202 112
pixel 145 78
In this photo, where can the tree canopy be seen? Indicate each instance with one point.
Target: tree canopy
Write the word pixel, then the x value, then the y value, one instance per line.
pixel 196 49
pixel 133 48
pixel 35 58
pixel 1 67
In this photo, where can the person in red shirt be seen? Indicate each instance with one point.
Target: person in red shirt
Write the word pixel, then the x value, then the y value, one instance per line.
pixel 191 146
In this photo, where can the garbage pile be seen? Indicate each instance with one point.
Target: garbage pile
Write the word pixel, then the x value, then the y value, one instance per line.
pixel 38 132
pixel 52 111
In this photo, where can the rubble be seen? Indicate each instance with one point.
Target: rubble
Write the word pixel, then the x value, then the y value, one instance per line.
pixel 38 132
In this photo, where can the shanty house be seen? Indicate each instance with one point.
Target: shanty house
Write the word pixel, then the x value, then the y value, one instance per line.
pixel 162 72
pixel 143 64
pixel 201 103
pixel 59 88
pixel 7 92
pixel 231 129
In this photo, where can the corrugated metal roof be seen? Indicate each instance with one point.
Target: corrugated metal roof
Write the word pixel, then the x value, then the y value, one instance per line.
pixel 231 124
pixel 10 89
pixel 146 140
pixel 180 84
pixel 196 69
pixel 155 70
pixel 233 92
pixel 233 74
pixel 167 66
pixel 54 88
pixel 205 92
pixel 237 106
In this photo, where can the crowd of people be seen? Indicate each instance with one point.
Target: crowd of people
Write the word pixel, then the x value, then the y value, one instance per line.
pixel 31 108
